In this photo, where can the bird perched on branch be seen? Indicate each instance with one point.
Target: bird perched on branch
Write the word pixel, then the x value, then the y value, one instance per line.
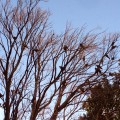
pixel 13 92
pixel 82 46
pixel 98 69
pixel 98 66
pixel 113 58
pixel 112 44
pixel 62 68
pixel 84 59
pixel 36 49
pixel 24 45
pixel 82 90
pixel 1 95
pixel 113 47
pixel 65 47
pixel 106 55
pixel 86 65
pixel 14 37
pixel 33 100
pixel 111 74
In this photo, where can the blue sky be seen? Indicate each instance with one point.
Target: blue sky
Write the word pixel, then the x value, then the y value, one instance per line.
pixel 100 14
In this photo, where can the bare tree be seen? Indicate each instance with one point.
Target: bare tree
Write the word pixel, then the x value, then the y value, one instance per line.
pixel 44 75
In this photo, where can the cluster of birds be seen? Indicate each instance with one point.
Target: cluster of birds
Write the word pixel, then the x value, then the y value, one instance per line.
pixel 65 48
pixel 98 67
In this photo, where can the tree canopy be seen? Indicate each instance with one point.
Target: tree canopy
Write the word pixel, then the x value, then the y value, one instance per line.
pixel 104 101
pixel 44 75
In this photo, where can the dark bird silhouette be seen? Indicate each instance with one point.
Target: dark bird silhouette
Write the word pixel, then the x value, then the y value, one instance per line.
pixel 62 68
pixel 83 58
pixel 35 49
pixel 98 69
pixel 4 72
pixel 82 46
pixel 113 47
pixel 33 100
pixel 65 47
pixel 111 74
pixel 98 66
pixel 13 92
pixel 86 65
pixel 112 44
pixel 101 61
pixel 82 90
pixel 14 37
pixel 24 45
pixel 64 83
pixel 106 55
pixel 113 58
pixel 1 95
pixel 4 104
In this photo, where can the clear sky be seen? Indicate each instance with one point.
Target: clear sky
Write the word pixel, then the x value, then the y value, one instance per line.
pixel 101 14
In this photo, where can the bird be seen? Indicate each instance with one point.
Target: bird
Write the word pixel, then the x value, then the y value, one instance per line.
pixel 106 55
pixel 65 47
pixel 35 49
pixel 62 68
pixel 82 90
pixel 84 58
pixel 82 46
pixel 1 95
pixel 86 65
pixel 113 47
pixel 33 100
pixel 98 69
pixel 13 92
pixel 64 83
pixel 113 58
pixel 14 37
pixel 101 61
pixel 112 44
pixel 111 74
pixel 24 45
pixel 98 66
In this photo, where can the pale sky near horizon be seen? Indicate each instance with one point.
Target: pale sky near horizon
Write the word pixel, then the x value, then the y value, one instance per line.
pixel 101 14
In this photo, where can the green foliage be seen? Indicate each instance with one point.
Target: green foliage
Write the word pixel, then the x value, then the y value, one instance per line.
pixel 104 102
